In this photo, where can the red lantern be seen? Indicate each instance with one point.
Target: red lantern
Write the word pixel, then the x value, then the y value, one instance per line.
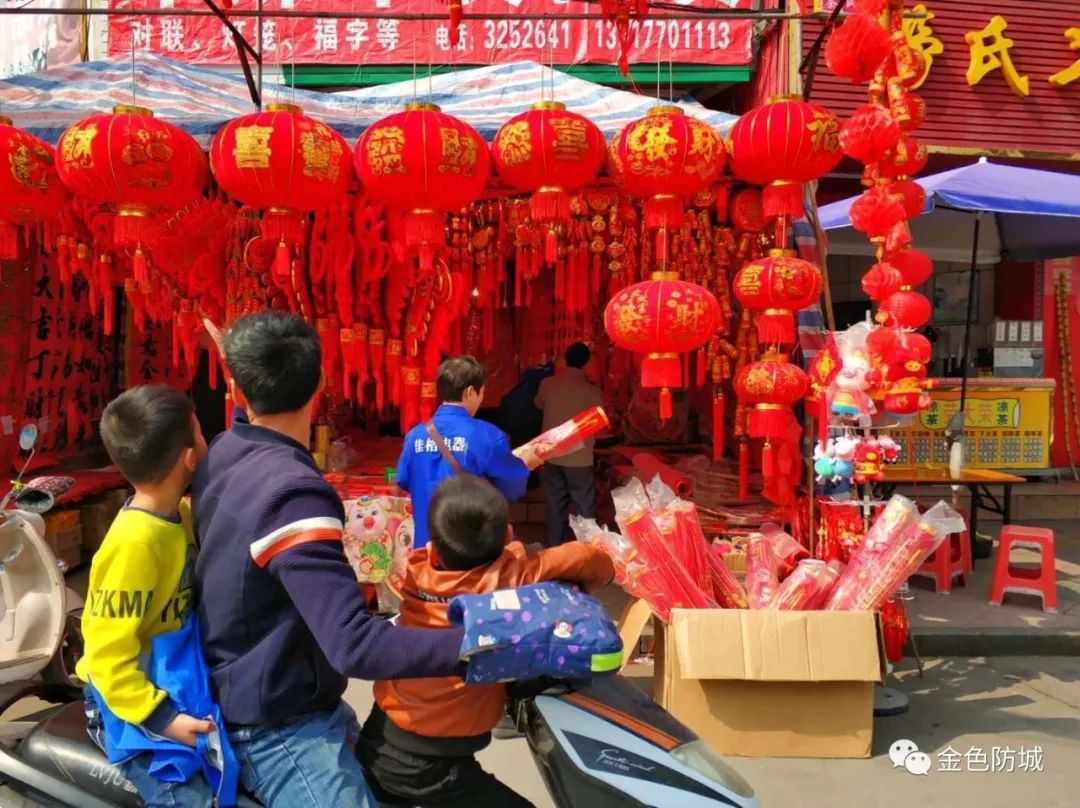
pixel 915 266
pixel 905 309
pixel 911 196
pixel 869 134
pixel 882 280
pixel 906 159
pixel 771 386
pixel 549 152
pixel 745 211
pixel 662 318
pixel 30 189
pixel 876 212
pixel 425 163
pixel 857 48
pixel 781 145
pixel 776 287
pixel 135 161
pixel 665 157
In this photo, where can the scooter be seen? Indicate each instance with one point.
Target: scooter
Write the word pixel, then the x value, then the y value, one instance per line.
pixel 596 744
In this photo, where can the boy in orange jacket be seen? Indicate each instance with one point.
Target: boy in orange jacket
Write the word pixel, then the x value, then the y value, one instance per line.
pixel 420 742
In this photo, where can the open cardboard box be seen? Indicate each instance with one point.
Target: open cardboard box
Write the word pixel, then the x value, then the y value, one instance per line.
pixel 769 683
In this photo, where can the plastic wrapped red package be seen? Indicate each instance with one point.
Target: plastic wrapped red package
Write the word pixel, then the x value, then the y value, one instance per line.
pixel 787 550
pixel 678 522
pixel 807 588
pixel 762 572
pixel 726 587
pixel 565 437
pixel 897 544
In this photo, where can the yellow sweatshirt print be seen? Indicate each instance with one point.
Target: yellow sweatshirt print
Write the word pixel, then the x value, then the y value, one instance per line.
pixel 140 586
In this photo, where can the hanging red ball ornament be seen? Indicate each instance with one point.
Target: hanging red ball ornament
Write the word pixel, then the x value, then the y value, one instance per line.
pixel 869 134
pixel 911 196
pixel 745 211
pixel 906 159
pixel 782 145
pixel 905 309
pixel 665 158
pixel 30 189
pixel 857 48
pixel 914 265
pixel 427 164
pixel 882 280
pixel 771 387
pixel 775 287
pixel 662 318
pixel 876 212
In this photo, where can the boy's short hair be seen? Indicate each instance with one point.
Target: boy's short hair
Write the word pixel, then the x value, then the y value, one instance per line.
pixel 457 375
pixel 146 429
pixel 578 355
pixel 467 520
pixel 276 361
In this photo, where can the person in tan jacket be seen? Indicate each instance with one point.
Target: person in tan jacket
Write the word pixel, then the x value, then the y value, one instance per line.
pixel 420 741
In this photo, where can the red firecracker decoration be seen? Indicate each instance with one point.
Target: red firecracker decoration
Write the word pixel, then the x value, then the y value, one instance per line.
pixel 285 163
pixel 869 134
pixel 426 163
pixel 662 318
pixel 857 48
pixel 781 145
pixel 30 189
pixel 142 165
pixel 775 287
pixel 905 309
pixel 665 158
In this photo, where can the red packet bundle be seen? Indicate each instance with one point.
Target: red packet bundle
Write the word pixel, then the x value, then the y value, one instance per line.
pixel 762 572
pixel 891 552
pixel 807 588
pixel 787 550
pixel 566 437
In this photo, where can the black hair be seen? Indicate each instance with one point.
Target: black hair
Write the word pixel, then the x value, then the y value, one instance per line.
pixel 578 355
pixel 146 429
pixel 457 375
pixel 276 361
pixel 467 521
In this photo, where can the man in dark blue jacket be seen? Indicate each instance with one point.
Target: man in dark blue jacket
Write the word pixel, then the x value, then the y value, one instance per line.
pixel 468 444
pixel 284 621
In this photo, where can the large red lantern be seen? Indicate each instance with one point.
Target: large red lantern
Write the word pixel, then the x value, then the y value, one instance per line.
pixel 549 151
pixel 661 318
pixel 771 387
pixel 905 309
pixel 30 190
pixel 776 287
pixel 285 163
pixel 781 145
pixel 425 164
pixel 665 158
pixel 857 48
pixel 141 164
pixel 914 265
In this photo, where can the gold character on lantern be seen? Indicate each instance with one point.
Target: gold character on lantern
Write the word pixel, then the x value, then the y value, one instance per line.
pixel 459 152
pixel 750 279
pixel 989 52
pixel 920 37
pixel 22 167
pixel 824 132
pixel 252 148
pixel 649 146
pixel 321 154
pixel 704 149
pixel 385 148
pixel 571 140
pixel 75 147
pixel 687 314
pixel 515 143
pixel 1069 74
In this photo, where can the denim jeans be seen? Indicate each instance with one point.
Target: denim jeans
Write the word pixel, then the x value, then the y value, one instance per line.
pixel 307 763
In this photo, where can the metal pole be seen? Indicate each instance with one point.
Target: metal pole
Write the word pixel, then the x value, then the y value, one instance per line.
pixel 970 311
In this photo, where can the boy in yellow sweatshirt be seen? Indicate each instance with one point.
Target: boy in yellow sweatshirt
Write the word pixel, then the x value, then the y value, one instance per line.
pixel 141 578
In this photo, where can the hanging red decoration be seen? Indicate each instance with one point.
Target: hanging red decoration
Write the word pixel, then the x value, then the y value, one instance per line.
pixel 665 158
pixel 662 318
pixel 620 12
pixel 869 134
pixel 30 189
pixel 745 211
pixel 141 164
pixel 915 266
pixel 549 152
pixel 427 164
pixel 905 309
pixel 286 164
pixel 906 159
pixel 857 48
pixel 771 386
pixel 876 212
pixel 882 280
pixel 781 145
pixel 910 111
pixel 775 287
pixel 911 195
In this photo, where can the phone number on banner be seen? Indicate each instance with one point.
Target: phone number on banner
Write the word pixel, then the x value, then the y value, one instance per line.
pixel 647 34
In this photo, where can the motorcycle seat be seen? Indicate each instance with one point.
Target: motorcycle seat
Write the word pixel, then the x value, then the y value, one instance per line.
pixel 61 747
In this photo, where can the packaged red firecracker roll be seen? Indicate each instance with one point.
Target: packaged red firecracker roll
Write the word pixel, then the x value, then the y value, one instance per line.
pixel 894 628
pixel 726 587
pixel 787 550
pixel 807 588
pixel 762 572
pixel 565 437
pixel 891 552
pixel 678 521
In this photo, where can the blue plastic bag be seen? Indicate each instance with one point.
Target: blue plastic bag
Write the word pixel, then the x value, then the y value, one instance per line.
pixel 178 667
pixel 547 629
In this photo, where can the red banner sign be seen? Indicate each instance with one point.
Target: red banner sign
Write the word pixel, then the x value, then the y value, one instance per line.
pixel 540 35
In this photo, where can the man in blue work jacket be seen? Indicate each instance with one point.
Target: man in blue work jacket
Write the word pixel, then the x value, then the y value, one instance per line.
pixel 468 445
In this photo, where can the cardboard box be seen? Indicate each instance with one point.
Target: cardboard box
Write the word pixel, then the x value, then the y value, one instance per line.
pixel 771 683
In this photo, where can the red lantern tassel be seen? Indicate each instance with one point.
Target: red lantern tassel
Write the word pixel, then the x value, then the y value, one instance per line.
pixel 282 264
pixel 664 210
pixel 456 15
pixel 9 241
pixel 744 470
pixel 782 198
pixel 661 370
pixel 551 245
pixel 138 265
pixel 718 426
pixel 550 204
pixel 768 461
pixel 425 230
pixel 666 408
pixel 769 421
pixel 776 327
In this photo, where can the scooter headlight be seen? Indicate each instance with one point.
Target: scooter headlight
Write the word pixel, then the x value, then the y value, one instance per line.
pixel 702 759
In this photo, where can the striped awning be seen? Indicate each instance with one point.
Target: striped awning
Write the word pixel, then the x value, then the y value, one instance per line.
pixel 200 100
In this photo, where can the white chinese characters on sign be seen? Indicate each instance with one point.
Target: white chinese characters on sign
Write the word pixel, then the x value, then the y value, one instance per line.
pixel 999 760
pixel 427 446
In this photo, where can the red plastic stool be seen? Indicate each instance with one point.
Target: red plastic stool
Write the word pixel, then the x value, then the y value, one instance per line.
pixel 951 559
pixel 1012 578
